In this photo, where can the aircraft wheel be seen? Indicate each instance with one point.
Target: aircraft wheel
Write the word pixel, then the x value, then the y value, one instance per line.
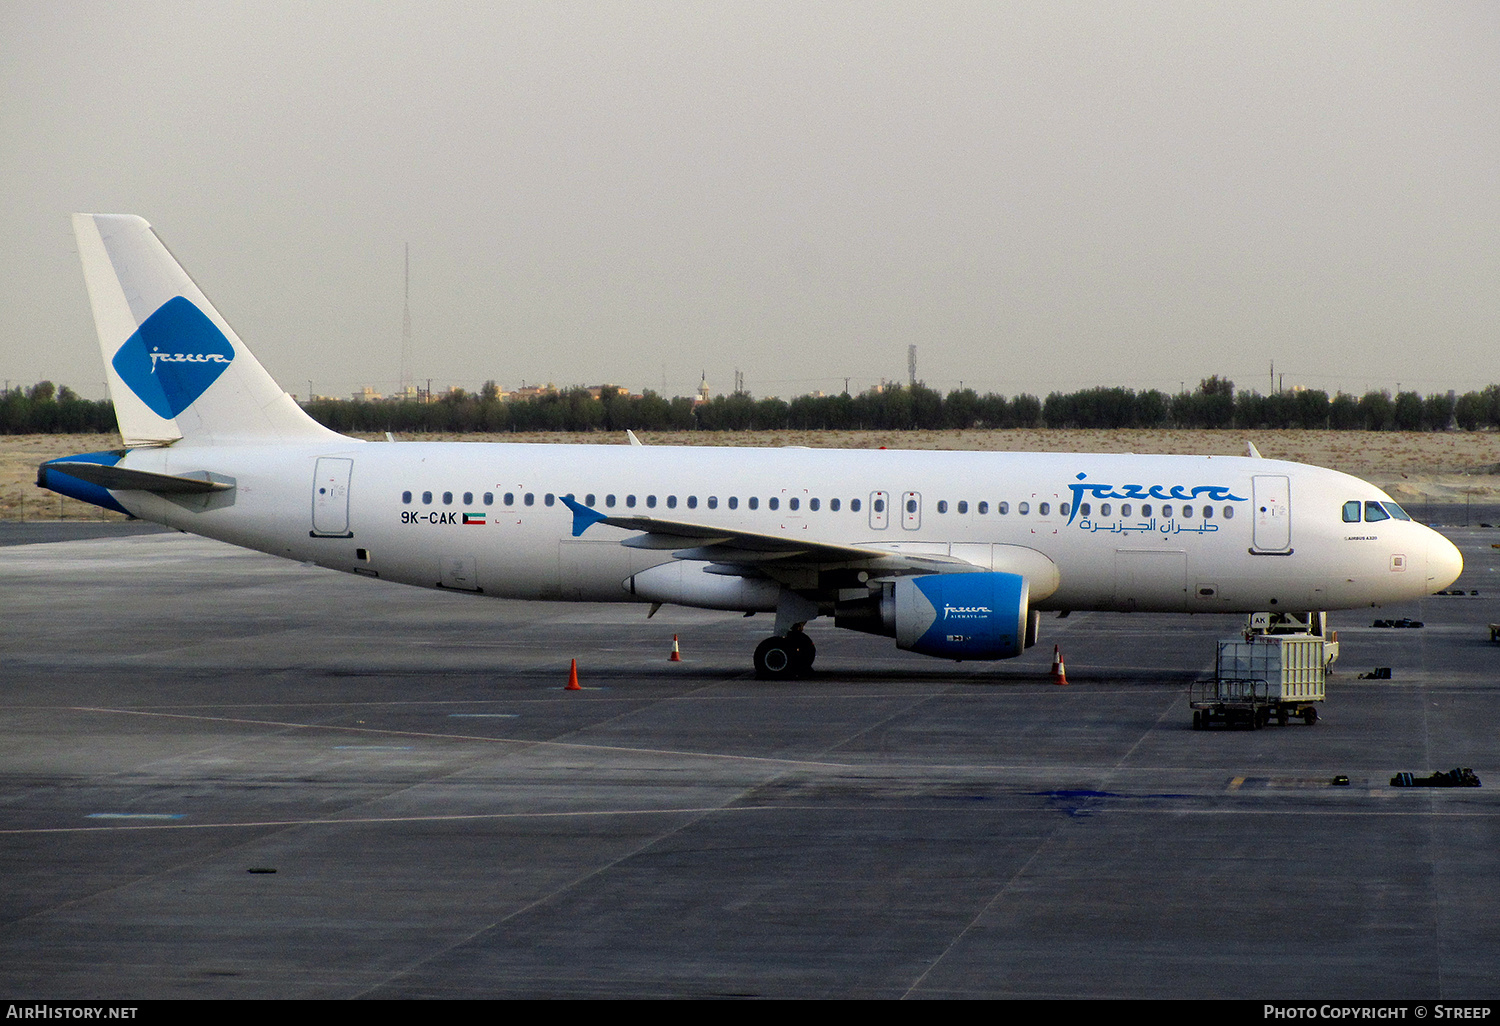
pixel 775 659
pixel 803 651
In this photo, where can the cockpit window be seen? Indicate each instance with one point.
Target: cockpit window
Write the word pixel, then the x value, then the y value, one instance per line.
pixel 1396 511
pixel 1351 511
pixel 1374 511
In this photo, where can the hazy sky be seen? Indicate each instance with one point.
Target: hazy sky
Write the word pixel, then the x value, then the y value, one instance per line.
pixel 1040 196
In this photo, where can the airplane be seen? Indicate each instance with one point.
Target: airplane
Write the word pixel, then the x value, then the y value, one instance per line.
pixel 953 554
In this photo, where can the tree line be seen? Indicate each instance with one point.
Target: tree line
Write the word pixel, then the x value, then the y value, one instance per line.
pixel 1215 404
pixel 44 408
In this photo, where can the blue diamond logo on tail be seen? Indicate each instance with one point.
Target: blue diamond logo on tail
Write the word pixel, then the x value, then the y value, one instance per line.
pixel 173 357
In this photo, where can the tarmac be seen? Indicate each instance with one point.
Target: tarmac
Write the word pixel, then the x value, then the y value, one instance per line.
pixel 224 775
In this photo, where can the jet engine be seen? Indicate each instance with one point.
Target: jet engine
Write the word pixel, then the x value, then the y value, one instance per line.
pixel 954 616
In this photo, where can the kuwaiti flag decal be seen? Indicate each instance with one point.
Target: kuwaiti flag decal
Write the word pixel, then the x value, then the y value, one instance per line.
pixel 473 518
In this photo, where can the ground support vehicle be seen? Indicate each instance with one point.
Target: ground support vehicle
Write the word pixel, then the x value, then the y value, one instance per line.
pixel 1266 676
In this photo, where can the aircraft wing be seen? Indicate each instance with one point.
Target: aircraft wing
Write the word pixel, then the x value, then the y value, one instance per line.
pixel 752 552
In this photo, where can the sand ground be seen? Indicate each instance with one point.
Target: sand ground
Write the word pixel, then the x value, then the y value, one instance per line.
pixel 1414 467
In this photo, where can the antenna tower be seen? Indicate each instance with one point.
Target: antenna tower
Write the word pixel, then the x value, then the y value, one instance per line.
pixel 406 329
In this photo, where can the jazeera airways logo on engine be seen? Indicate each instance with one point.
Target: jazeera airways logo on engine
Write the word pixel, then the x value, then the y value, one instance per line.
pixel 966 612
pixel 173 357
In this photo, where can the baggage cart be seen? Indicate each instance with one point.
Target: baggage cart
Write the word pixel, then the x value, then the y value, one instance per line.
pixel 1281 676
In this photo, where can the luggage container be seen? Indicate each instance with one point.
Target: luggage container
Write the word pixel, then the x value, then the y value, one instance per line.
pixel 1280 675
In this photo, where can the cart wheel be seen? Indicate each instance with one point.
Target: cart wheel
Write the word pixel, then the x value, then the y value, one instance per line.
pixel 1310 715
pixel 1281 717
pixel 1197 720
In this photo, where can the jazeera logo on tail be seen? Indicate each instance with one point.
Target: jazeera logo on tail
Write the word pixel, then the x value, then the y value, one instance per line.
pixel 173 357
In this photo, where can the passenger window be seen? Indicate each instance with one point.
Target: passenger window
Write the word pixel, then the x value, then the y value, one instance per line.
pixel 671 502
pixel 692 502
pixel 588 500
pixel 510 498
pixel 853 505
pixel 427 498
pixel 833 505
pixel 1002 508
pixel 447 498
pixel 1146 510
pixel 1124 509
pixel 734 502
pixel 791 503
pixel 812 504
pixel 879 505
pixel 489 498
pixel 942 505
pixel 630 501
pixel 609 500
pixel 1023 508
pixel 1208 512
pixel 1374 512
pixel 468 498
pixel 1166 511
pixel 1351 511
pixel 529 499
pixel 774 503
pixel 1187 512
pixel 1044 509
pixel 1104 509
pixel 984 508
pixel 1063 509
pixel 406 498
pixel 1228 512
pixel 754 502
pixel 911 505
pixel 713 502
pixel 650 502
pixel 963 507
pixel 548 499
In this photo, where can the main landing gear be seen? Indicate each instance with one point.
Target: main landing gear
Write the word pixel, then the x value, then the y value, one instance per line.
pixel 783 658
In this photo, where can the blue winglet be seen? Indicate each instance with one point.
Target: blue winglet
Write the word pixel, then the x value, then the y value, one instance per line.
pixel 583 517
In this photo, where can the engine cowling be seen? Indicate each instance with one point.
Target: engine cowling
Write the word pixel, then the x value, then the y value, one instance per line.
pixel 963 616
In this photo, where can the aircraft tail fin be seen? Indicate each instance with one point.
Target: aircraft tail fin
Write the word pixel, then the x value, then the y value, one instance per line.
pixel 176 369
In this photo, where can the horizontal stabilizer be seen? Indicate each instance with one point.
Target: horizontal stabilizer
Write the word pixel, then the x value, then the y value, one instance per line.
pixel 122 480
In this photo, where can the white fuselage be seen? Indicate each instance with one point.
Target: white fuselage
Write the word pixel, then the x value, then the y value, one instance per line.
pixel 1125 532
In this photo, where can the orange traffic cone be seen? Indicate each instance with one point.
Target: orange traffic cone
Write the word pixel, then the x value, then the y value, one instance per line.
pixel 676 656
pixel 573 677
pixel 1059 672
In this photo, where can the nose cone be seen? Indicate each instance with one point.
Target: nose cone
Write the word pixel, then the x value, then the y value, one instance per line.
pixel 1444 562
